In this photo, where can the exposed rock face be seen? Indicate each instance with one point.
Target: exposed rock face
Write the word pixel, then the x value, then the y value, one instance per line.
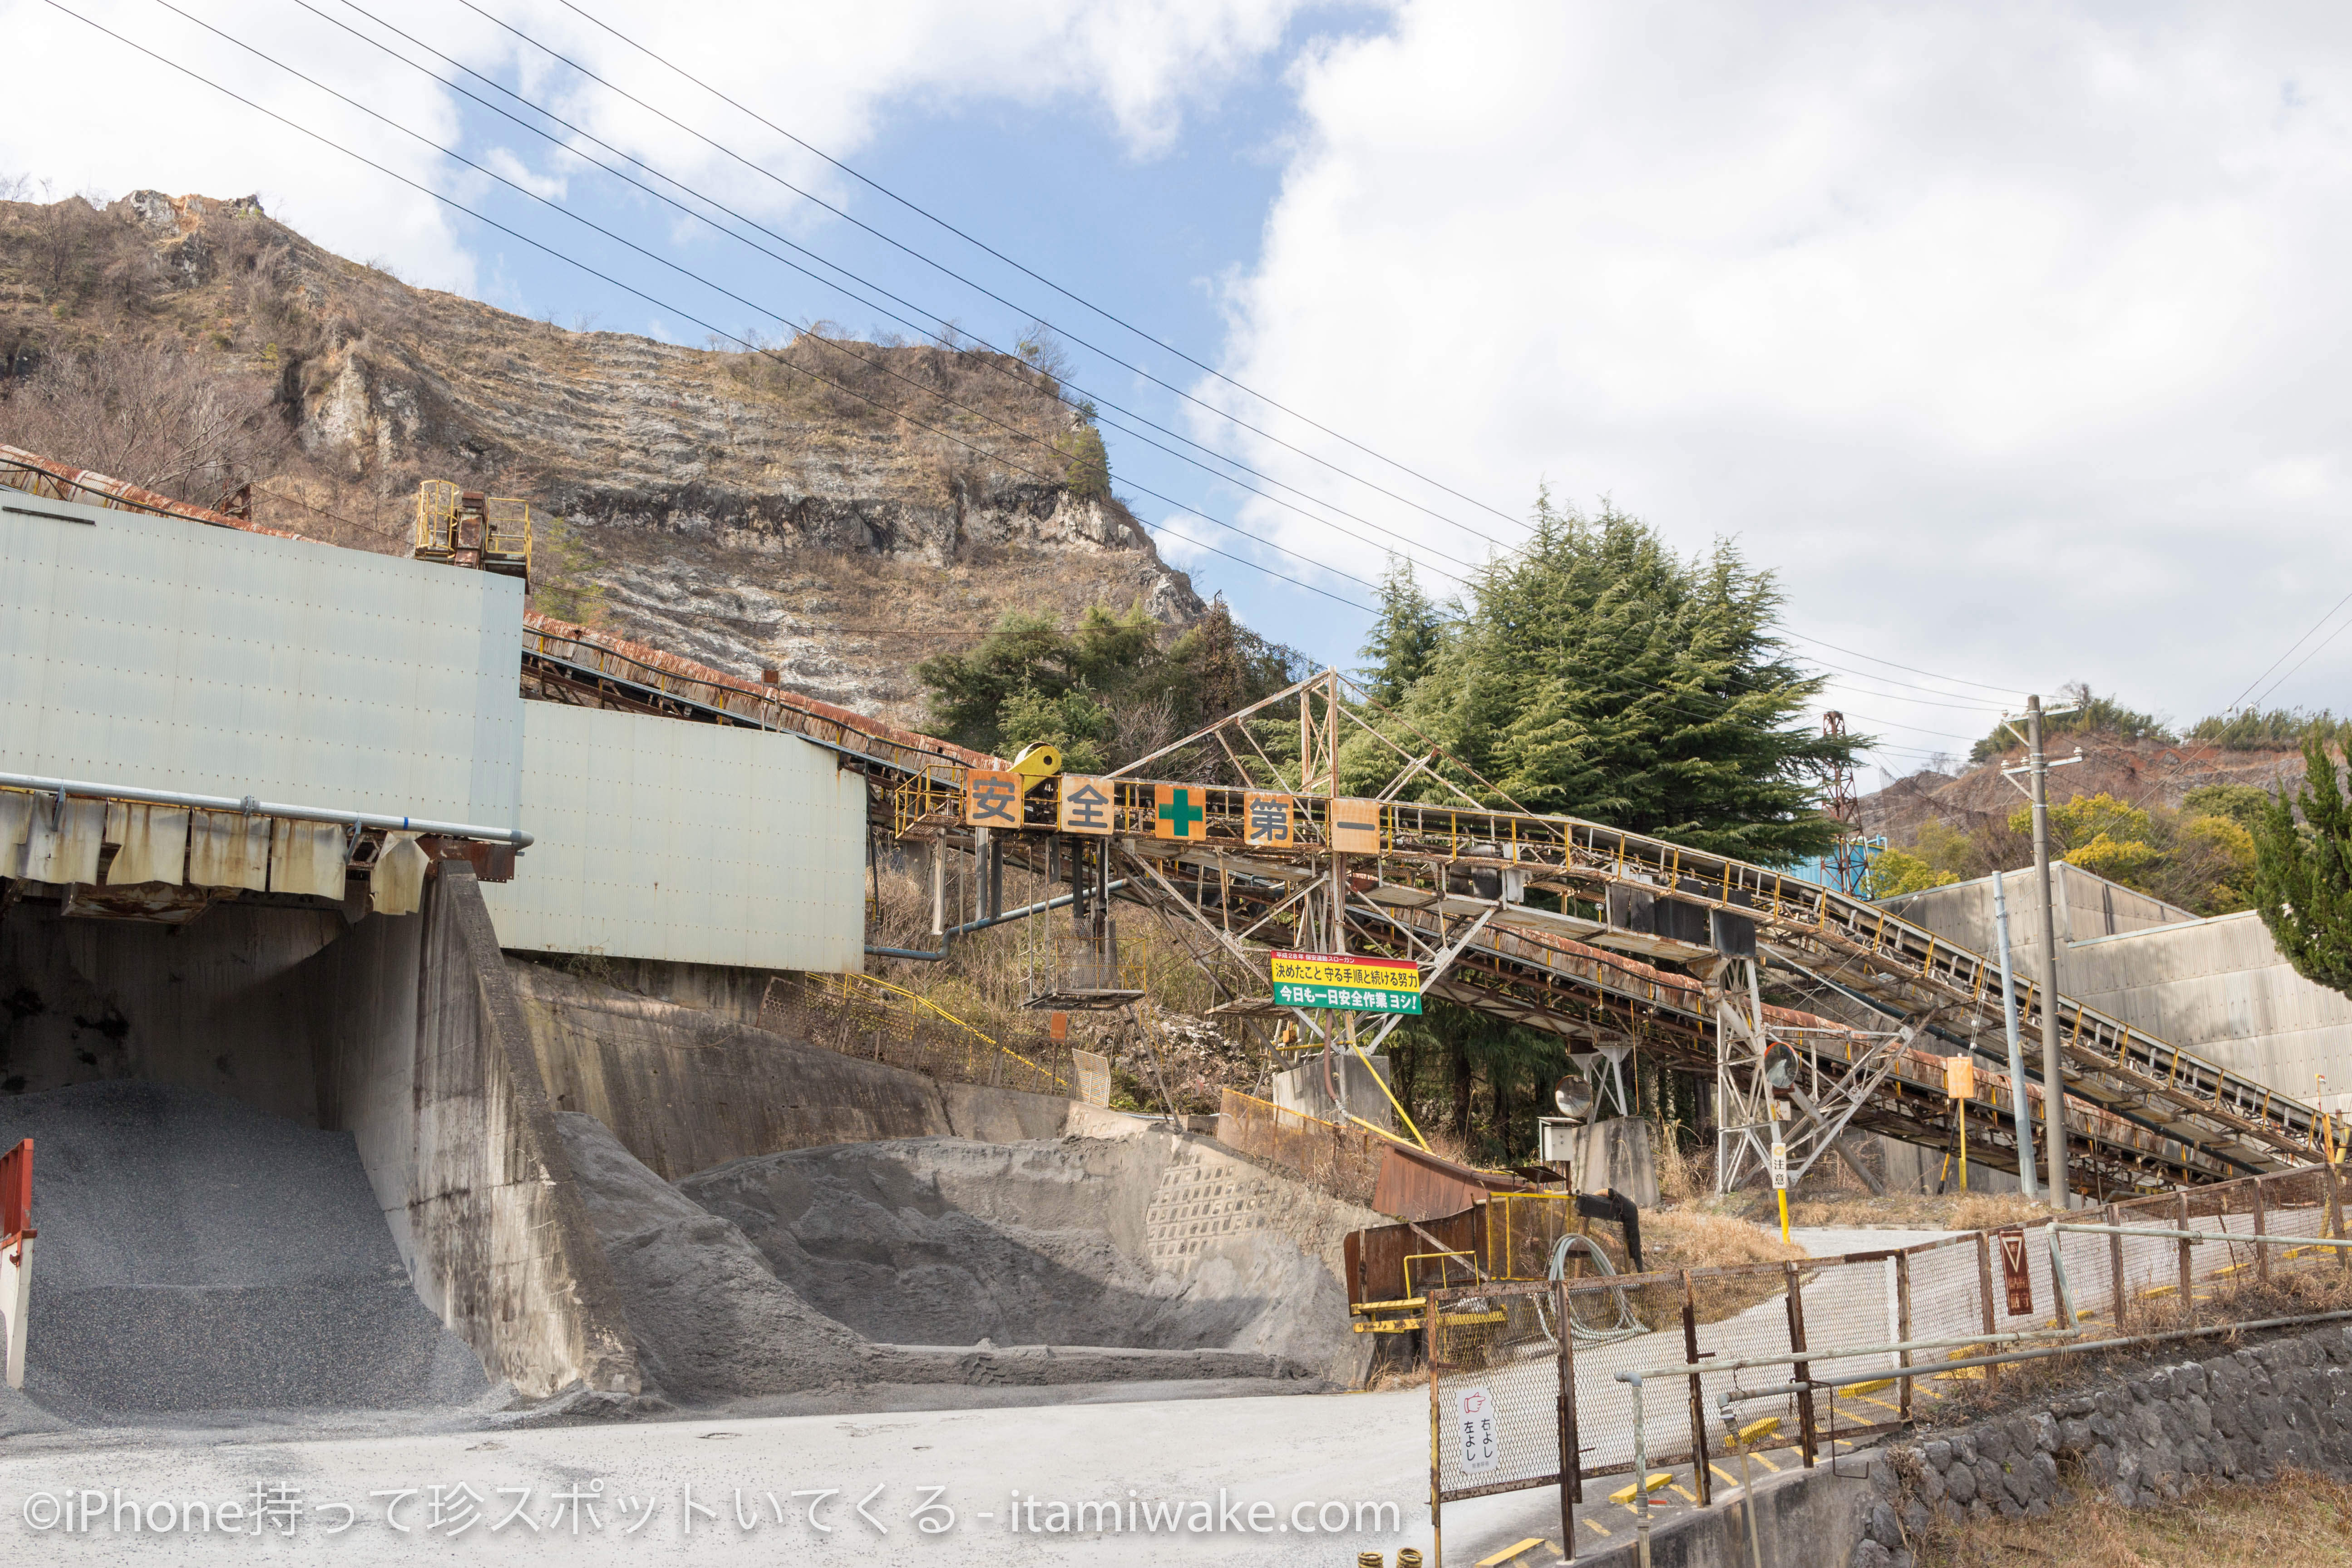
pixel 837 512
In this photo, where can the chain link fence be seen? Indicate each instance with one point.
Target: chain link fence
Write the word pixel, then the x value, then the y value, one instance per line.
pixel 1515 1403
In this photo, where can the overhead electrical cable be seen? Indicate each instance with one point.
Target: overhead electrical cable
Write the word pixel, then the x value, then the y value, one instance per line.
pixel 765 172
pixel 1932 675
pixel 659 303
pixel 686 272
pixel 940 328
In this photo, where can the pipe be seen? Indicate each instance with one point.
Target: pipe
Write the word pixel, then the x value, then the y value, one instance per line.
pixel 2204 1235
pixel 1641 1468
pixel 1854 1352
pixel 2019 1112
pixel 1023 913
pixel 252 807
pixel 2085 1348
pixel 970 926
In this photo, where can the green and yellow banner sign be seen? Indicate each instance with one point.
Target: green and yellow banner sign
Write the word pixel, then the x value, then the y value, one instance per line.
pixel 1347 982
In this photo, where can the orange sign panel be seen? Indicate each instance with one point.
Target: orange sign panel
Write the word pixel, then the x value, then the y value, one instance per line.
pixel 1083 805
pixel 1355 826
pixel 992 799
pixel 1179 811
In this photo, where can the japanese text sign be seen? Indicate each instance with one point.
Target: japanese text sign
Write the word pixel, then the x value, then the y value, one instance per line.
pixel 992 799
pixel 1345 982
pixel 1085 806
pixel 1268 820
pixel 1355 826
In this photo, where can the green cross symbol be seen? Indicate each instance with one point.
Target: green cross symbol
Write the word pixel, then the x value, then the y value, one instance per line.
pixel 1182 813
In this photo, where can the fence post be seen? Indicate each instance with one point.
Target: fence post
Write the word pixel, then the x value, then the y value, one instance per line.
pixel 1698 1395
pixel 2188 1273
pixel 1803 1370
pixel 1571 1485
pixel 2115 1263
pixel 1984 1294
pixel 2262 1224
pixel 1903 1318
pixel 1437 1438
pixel 2335 1217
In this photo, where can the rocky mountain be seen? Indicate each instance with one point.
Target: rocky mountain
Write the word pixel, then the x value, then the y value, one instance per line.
pixel 834 511
pixel 2150 770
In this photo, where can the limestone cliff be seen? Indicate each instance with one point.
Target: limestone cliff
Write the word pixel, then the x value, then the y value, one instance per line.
pixel 834 511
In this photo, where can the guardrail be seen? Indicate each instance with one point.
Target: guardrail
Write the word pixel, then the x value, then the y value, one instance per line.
pixel 1865 1334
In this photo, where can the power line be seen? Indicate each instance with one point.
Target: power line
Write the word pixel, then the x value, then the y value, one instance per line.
pixel 835 344
pixel 1875 658
pixel 937 331
pixel 983 288
pixel 655 301
pixel 2316 649
pixel 1898 696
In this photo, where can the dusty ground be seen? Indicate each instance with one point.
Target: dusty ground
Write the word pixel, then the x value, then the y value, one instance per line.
pixel 2296 1520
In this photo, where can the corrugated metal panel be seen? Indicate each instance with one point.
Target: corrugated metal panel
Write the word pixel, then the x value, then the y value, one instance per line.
pixel 150 651
pixel 691 843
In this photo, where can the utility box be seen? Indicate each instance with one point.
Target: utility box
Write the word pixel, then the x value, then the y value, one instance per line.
pixel 1556 1140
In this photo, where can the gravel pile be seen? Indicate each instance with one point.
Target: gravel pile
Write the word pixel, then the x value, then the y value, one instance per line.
pixel 937 1241
pixel 199 1254
pixel 710 1320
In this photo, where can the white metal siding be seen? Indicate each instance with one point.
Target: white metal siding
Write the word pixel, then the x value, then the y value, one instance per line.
pixel 691 843
pixel 167 654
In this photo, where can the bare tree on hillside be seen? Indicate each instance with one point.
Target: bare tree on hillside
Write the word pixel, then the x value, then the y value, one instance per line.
pixel 171 419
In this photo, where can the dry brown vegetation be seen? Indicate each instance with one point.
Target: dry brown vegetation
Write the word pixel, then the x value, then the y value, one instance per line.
pixel 2298 1519
pixel 987 976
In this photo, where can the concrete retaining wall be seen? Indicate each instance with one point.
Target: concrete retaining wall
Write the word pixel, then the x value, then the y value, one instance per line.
pixel 461 1147
pixel 2242 1416
pixel 685 1090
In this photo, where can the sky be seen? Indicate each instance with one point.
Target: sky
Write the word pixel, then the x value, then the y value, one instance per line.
pixel 2005 336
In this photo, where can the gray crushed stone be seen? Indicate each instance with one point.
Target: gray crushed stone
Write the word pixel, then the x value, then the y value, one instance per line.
pixel 945 1241
pixel 196 1255
pixel 939 1241
pixel 715 1321
pixel 711 1321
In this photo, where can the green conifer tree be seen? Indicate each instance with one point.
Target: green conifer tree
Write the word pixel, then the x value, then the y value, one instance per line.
pixel 2303 872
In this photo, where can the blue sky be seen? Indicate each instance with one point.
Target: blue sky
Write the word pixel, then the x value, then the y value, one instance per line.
pixel 2007 335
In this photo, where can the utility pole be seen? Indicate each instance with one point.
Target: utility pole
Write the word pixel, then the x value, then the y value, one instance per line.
pixel 2053 1077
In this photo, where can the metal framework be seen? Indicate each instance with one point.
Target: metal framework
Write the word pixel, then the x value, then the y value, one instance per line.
pixel 1548 920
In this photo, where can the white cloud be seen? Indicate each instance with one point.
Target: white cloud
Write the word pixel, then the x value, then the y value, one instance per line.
pixel 102 119
pixel 2008 334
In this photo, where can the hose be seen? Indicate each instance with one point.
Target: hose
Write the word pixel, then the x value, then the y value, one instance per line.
pixel 1626 1327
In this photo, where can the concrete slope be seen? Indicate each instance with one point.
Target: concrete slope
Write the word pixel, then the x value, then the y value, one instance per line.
pixel 684 1088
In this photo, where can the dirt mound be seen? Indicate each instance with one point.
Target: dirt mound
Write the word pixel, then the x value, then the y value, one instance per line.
pixel 198 1254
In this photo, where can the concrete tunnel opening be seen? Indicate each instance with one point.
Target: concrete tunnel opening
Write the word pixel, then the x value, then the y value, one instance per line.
pixel 248 1141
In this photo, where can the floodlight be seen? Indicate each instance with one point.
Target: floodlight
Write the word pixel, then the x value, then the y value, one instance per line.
pixel 1573 1095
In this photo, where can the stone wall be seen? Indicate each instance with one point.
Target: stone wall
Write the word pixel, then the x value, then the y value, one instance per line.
pixel 2241 1417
